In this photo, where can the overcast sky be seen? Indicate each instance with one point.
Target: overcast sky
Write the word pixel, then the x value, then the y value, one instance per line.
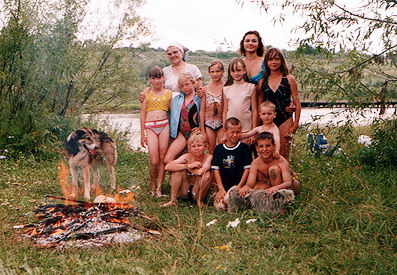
pixel 197 24
pixel 203 24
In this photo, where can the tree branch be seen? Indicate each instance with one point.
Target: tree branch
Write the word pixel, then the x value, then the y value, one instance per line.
pixel 364 17
pixel 367 60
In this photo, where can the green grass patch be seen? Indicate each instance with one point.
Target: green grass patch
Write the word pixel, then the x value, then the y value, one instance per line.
pixel 343 221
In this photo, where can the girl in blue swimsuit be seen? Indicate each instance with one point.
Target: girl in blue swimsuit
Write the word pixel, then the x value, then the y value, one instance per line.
pixel 281 88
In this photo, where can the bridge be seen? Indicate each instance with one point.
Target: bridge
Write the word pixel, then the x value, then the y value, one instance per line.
pixel 345 104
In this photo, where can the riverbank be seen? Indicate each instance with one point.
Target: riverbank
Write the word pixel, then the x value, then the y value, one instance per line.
pixel 310 117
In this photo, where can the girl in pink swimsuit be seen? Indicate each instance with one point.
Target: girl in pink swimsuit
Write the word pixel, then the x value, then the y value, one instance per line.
pixel 239 98
pixel 211 108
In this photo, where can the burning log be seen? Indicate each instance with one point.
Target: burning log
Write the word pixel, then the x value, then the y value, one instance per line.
pixel 62 225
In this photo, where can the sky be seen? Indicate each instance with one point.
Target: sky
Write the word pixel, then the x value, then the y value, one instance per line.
pixel 204 24
pixel 199 24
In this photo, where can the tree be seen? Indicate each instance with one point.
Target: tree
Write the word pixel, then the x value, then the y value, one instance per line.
pixel 362 33
pixel 45 70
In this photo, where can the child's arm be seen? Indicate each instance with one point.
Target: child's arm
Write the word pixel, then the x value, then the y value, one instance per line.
pixel 286 176
pixel 252 174
pixel 276 136
pixel 251 133
pixel 224 112
pixel 199 83
pixel 296 100
pixel 142 95
pixel 259 97
pixel 243 178
pixel 254 108
pixel 203 106
pixel 143 113
pixel 204 167
pixel 179 164
pixel 254 113
pixel 218 181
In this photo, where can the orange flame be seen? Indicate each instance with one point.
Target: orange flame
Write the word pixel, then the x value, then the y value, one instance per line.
pixel 127 197
pixel 58 231
pixel 63 176
pixel 69 191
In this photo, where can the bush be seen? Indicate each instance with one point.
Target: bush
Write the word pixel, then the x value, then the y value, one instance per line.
pixel 42 136
pixel 383 149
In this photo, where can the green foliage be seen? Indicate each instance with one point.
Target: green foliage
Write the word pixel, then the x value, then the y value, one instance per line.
pixel 383 149
pixel 46 73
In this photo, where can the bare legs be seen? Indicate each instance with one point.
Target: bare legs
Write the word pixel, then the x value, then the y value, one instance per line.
pixel 214 137
pixel 175 148
pixel 180 184
pixel 285 140
pixel 157 146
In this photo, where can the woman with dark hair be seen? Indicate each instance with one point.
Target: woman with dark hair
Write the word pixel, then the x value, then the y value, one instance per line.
pixel 281 88
pixel 252 50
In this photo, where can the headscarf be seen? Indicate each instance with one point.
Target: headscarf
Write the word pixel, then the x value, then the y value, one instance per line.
pixel 180 47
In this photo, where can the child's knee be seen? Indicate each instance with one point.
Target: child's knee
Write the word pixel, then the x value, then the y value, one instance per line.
pixel 295 186
pixel 167 159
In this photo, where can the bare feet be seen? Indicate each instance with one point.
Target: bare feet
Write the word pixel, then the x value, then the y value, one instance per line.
pixel 169 204
pixel 158 192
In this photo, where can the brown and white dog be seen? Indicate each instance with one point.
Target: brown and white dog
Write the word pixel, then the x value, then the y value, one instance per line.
pixel 87 149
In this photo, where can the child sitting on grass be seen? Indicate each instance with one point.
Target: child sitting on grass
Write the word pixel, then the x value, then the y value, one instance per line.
pixel 231 162
pixel 190 174
pixel 267 172
pixel 267 113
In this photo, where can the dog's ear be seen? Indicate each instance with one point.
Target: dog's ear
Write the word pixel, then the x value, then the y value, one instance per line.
pixel 71 144
pixel 277 195
pixel 79 133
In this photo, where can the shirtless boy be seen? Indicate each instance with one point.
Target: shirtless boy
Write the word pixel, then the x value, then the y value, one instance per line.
pixel 266 172
pixel 190 172
pixel 267 113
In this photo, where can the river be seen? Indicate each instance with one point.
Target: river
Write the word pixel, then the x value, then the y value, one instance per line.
pixel 311 117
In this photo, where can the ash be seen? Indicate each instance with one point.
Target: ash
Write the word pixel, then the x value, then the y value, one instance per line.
pixel 91 228
pixel 84 225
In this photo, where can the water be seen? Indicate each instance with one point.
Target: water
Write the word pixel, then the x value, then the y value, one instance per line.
pixel 312 117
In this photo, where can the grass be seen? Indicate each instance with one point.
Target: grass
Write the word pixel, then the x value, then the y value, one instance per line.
pixel 343 221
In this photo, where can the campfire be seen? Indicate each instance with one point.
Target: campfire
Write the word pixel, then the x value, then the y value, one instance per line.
pixel 74 223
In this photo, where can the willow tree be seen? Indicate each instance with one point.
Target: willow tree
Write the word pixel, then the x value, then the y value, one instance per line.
pixel 356 42
pixel 47 68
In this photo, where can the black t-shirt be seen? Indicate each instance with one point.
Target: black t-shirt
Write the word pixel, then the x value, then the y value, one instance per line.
pixel 231 163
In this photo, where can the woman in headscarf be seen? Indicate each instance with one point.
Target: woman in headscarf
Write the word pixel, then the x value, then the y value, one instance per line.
pixel 176 55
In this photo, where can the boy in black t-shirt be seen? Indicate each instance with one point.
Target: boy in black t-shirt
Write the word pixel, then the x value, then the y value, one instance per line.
pixel 231 162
